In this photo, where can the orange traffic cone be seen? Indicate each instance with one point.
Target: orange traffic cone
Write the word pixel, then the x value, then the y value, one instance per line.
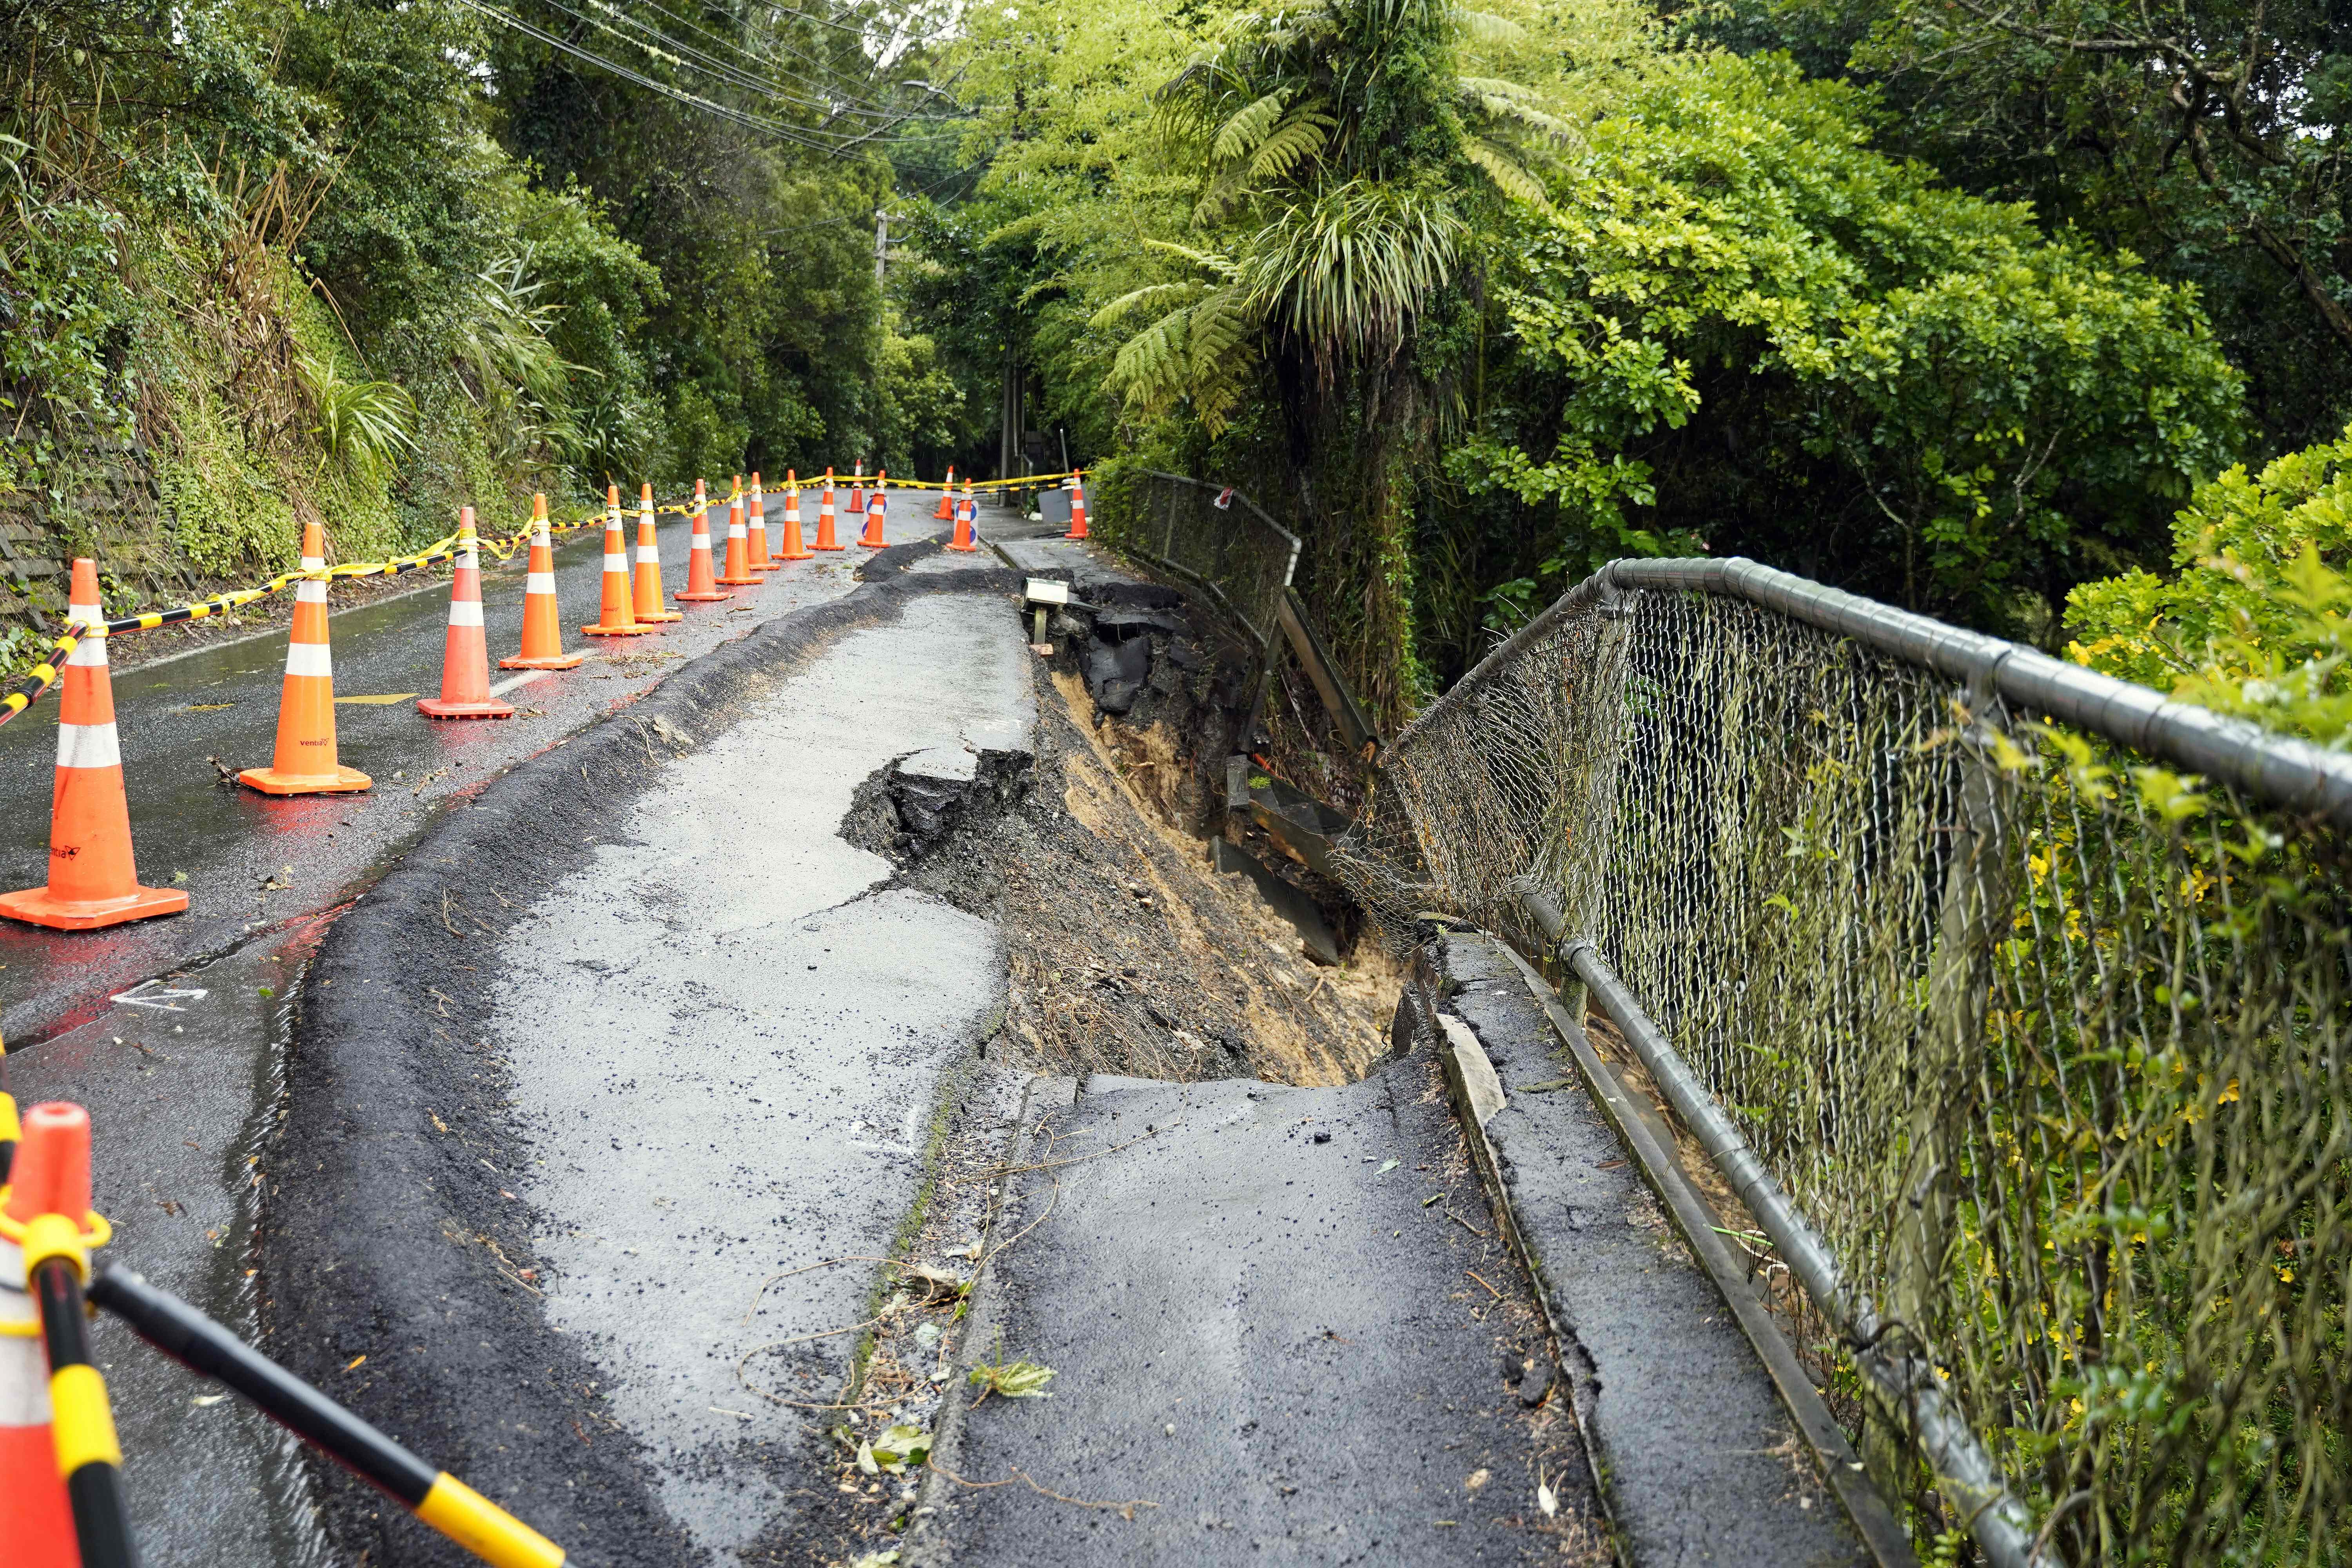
pixel 876 506
pixel 1078 506
pixel 701 588
pixel 542 628
pixel 964 511
pixel 465 657
pixel 651 609
pixel 755 530
pixel 304 761
pixel 790 547
pixel 616 615
pixel 824 539
pixel 858 491
pixel 93 881
pixel 36 1516
pixel 947 507
pixel 739 572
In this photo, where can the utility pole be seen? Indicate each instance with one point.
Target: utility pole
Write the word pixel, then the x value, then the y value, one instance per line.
pixel 881 244
pixel 1008 446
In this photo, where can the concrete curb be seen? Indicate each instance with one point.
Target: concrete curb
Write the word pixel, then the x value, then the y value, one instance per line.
pixel 927 1543
pixel 1664 1377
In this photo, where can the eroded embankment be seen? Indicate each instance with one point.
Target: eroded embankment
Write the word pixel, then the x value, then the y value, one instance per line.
pixel 1128 951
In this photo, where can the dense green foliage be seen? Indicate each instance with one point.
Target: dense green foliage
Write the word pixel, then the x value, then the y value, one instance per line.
pixel 1480 300
pixel 2208 136
pixel 2257 619
pixel 367 260
pixel 1472 299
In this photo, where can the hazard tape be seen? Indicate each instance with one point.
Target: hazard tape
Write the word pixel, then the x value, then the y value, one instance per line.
pixel 37 681
pixel 1027 481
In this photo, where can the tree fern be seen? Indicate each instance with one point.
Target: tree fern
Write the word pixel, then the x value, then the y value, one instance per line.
pixel 1248 127
pixel 1509 175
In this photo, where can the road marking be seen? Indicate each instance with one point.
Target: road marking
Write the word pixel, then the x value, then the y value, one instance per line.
pixel 386 700
pixel 162 1001
pixel 512 681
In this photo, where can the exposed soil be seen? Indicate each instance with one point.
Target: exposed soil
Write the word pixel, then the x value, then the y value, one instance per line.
pixel 1127 954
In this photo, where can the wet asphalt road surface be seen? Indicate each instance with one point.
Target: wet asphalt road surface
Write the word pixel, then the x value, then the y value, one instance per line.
pixel 1279 1321
pixel 223 701
pixel 185 1090
pixel 770 1024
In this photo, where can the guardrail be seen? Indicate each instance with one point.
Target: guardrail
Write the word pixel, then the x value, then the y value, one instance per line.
pixel 1214 537
pixel 2014 1003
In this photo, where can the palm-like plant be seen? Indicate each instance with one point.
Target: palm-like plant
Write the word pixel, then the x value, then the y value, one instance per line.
pixel 1343 154
pixel 512 361
pixel 1336 139
pixel 361 422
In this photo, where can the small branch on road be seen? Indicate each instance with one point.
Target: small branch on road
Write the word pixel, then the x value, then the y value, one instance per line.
pixel 1124 1509
pixel 806 1268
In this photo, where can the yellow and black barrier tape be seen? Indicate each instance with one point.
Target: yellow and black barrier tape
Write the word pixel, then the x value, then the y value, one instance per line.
pixel 437 1497
pixel 1025 482
pixel 37 681
pixel 89 1457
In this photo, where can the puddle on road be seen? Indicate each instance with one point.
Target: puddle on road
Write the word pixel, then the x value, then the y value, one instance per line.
pixel 183 1095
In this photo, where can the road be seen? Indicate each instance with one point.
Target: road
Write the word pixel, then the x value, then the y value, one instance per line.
pixel 184 1092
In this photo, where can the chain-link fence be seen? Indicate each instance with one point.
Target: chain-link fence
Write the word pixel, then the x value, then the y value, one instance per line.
pixel 1213 535
pixel 2012 999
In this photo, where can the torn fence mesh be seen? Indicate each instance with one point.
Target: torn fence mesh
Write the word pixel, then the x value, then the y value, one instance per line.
pixel 2046 1041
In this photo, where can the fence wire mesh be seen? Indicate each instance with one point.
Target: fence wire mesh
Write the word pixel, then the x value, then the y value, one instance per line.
pixel 2047 1041
pixel 1216 535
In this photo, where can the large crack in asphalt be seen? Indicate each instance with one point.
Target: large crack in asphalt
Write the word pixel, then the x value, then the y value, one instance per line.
pixel 398 1253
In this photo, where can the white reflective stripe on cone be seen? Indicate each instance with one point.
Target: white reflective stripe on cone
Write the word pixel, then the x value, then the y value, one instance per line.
pixel 470 556
pixel 309 658
pixel 314 563
pixel 736 531
pixel 310 592
pixel 91 648
pixel 616 562
pixel 465 612
pixel 24 1365
pixel 541 537
pixel 701 543
pixel 88 746
pixel 539 583
pixel 648 554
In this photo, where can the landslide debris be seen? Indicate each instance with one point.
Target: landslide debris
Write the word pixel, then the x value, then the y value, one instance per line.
pixel 1128 951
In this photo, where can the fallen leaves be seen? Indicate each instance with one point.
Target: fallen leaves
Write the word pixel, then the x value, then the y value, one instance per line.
pixel 1012 1379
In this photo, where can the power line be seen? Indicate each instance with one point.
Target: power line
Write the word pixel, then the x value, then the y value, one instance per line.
pixel 742 118
pixel 686 55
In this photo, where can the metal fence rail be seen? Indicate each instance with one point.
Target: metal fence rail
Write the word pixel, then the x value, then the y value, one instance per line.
pixel 2014 1001
pixel 1214 536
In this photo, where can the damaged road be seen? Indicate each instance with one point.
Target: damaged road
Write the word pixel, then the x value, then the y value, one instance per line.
pixel 845 1108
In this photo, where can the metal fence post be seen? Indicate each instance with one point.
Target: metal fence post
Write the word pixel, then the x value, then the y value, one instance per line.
pixel 1977 890
pixel 1584 811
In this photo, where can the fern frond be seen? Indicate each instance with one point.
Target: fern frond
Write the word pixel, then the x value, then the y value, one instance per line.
pixel 1509 176
pixel 1150 366
pixel 1135 300
pixel 1023 228
pixel 1218 325
pixel 1248 127
pixel 1209 260
pixel 1518 111
pixel 1485 27
pixel 1299 140
pixel 1220 196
